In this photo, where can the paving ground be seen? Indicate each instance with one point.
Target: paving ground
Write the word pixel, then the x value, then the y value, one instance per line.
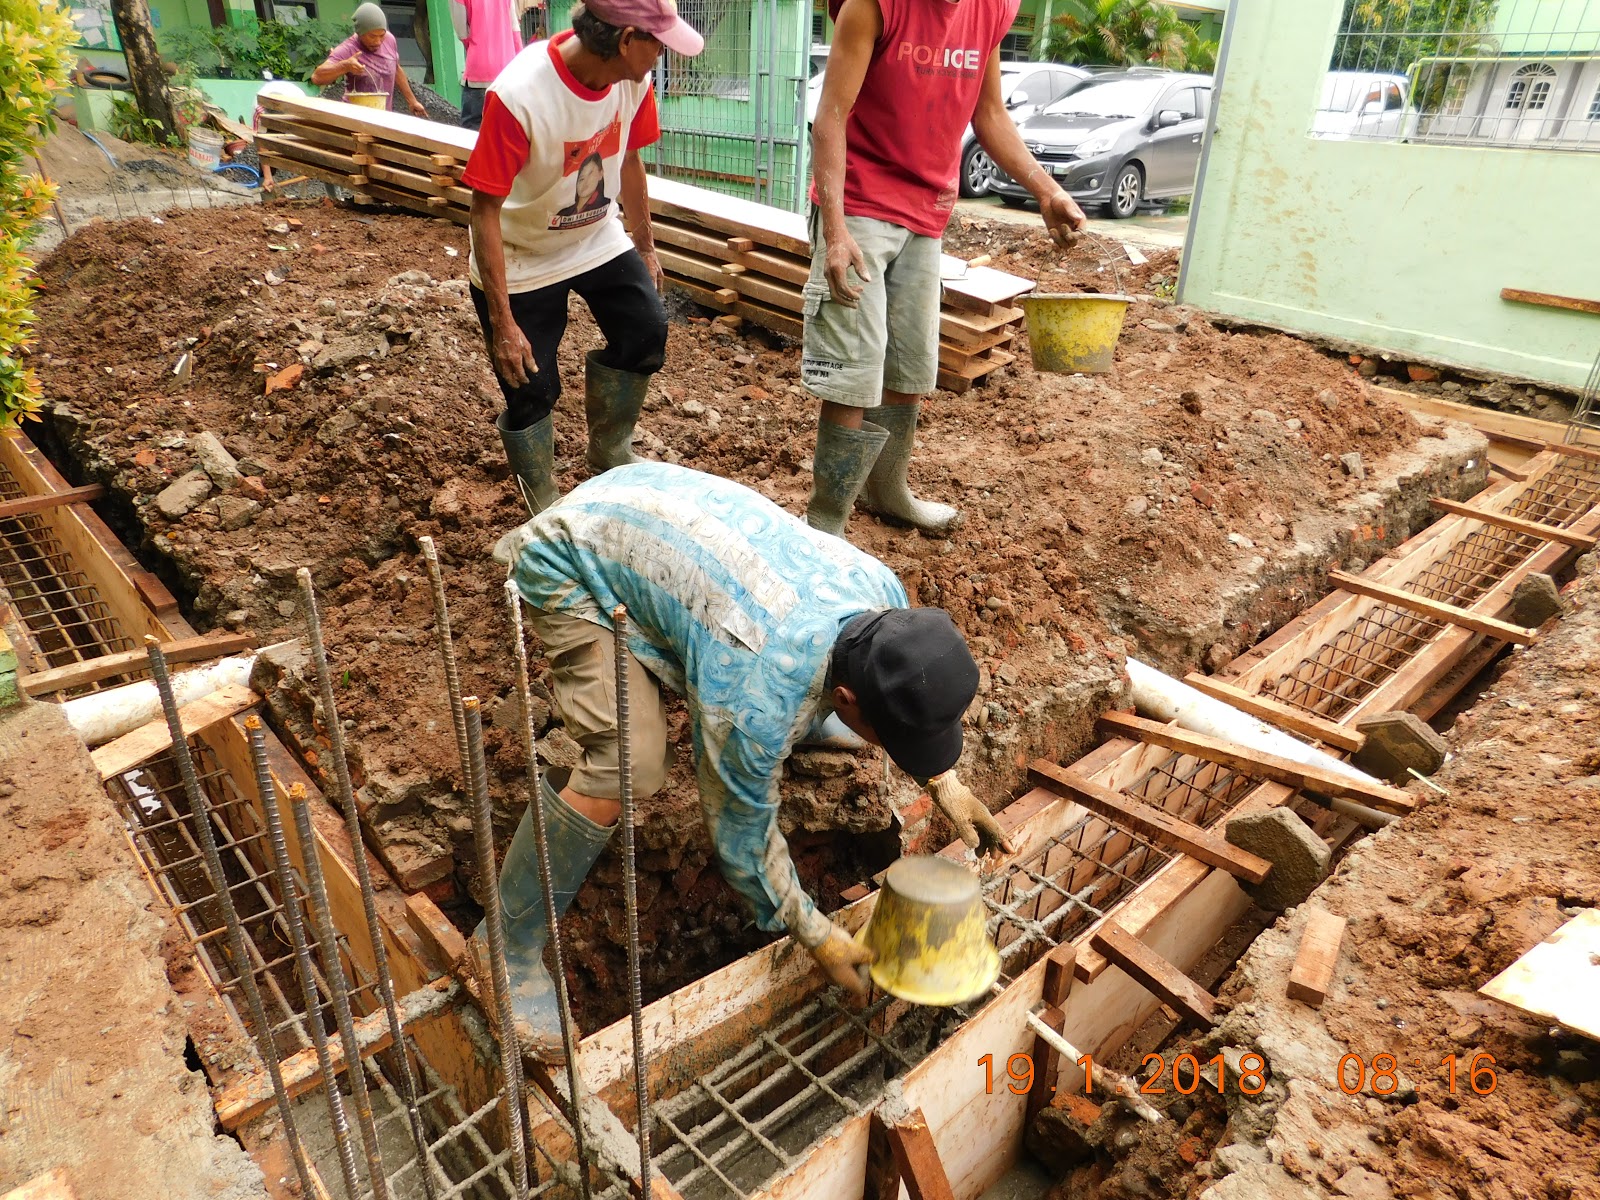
pixel 1150 229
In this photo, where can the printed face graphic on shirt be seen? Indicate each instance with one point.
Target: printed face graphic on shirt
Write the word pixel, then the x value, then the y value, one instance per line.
pixel 584 164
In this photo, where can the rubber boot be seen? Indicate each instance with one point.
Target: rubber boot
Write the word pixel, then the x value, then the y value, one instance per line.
pixel 532 455
pixel 887 494
pixel 611 401
pixel 575 844
pixel 839 468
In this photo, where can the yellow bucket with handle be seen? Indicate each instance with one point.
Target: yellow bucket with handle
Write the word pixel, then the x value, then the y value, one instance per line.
pixel 1074 332
pixel 367 99
pixel 929 932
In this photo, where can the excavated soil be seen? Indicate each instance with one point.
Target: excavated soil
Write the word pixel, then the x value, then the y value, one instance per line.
pixel 1103 512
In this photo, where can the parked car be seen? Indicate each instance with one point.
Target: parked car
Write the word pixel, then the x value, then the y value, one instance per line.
pixel 819 64
pixel 1120 139
pixel 1361 104
pixel 1027 88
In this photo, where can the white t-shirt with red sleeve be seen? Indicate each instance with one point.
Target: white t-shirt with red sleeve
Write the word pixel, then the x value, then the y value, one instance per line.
pixel 554 149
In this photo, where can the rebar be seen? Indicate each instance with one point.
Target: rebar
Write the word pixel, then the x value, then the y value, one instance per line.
pixel 447 649
pixel 499 976
pixel 236 938
pixel 289 891
pixel 352 823
pixel 630 891
pixel 338 989
pixel 530 747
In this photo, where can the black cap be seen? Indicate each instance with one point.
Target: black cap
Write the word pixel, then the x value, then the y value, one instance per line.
pixel 914 677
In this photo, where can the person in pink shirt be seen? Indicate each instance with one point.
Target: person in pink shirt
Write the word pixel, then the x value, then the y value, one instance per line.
pixel 489 32
pixel 369 61
pixel 904 79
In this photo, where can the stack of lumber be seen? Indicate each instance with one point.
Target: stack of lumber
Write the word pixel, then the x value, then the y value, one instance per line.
pixel 378 155
pixel 732 255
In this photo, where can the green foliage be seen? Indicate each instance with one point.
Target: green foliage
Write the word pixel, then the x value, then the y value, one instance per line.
pixel 36 39
pixel 248 51
pixel 131 125
pixel 1125 33
pixel 1391 35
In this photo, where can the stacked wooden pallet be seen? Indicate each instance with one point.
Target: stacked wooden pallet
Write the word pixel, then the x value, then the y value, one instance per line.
pixel 732 255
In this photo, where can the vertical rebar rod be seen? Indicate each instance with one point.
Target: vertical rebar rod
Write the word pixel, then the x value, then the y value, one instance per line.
pixel 369 905
pixel 447 649
pixel 499 976
pixel 199 809
pixel 542 839
pixel 338 988
pixel 290 904
pixel 630 891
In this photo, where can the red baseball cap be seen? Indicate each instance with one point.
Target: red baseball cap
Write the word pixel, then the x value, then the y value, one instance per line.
pixel 659 18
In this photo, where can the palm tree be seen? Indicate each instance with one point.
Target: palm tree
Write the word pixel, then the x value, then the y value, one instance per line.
pixel 1126 33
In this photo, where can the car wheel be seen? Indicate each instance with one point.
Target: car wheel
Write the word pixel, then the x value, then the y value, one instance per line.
pixel 977 172
pixel 1013 201
pixel 1126 193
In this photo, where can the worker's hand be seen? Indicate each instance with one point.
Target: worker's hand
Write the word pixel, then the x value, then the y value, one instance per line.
pixel 843 254
pixel 352 66
pixel 513 357
pixel 416 108
pixel 653 265
pixel 1062 218
pixel 844 960
pixel 975 824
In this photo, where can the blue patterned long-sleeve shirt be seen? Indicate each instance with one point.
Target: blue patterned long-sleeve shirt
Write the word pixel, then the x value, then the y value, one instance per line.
pixel 733 604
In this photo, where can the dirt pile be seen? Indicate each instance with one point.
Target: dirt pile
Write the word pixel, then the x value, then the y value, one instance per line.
pixel 337 357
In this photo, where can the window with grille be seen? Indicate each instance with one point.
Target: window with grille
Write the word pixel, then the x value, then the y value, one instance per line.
pixel 1520 73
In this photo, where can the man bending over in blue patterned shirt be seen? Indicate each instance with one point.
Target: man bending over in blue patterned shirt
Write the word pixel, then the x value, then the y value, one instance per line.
pixel 767 627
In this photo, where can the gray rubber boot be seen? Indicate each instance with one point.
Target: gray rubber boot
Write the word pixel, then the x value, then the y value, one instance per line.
pixel 887 494
pixel 532 455
pixel 611 401
pixel 839 468
pixel 575 843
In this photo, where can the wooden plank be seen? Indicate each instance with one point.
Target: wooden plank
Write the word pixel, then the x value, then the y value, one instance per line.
pixel 422 185
pixel 1559 979
pixel 985 288
pixel 273 159
pixel 150 739
pixel 1258 765
pixel 51 1186
pixel 304 154
pixel 738 218
pixel 1149 821
pixel 33 504
pixel 108 666
pixel 1449 613
pixel 1155 973
pixel 784 268
pixel 1485 420
pixel 1314 962
pixel 918 1158
pixel 1550 533
pixel 323 135
pixel 883 1174
pixel 1568 450
pixel 396 127
pixel 1547 300
pixel 1277 713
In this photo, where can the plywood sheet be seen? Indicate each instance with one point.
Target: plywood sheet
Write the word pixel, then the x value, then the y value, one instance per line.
pixel 1559 979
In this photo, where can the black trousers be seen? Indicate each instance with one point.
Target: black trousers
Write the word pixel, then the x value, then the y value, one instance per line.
pixel 472 101
pixel 625 305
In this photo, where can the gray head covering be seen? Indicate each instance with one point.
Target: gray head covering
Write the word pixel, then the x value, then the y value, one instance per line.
pixel 369 17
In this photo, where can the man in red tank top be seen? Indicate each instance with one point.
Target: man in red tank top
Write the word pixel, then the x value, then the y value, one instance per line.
pixel 904 79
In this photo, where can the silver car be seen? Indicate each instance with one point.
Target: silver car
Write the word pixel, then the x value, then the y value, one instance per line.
pixel 1026 88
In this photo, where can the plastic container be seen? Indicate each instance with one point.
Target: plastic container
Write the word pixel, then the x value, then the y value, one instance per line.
pixel 205 148
pixel 367 99
pixel 1074 332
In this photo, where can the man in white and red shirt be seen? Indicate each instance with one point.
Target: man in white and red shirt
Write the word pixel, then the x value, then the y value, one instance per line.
pixel 559 148
pixel 904 79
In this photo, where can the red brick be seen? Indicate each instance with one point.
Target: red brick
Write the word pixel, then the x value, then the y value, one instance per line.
pixel 1422 374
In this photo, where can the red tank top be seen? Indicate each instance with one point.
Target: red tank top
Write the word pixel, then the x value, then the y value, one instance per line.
pixel 903 137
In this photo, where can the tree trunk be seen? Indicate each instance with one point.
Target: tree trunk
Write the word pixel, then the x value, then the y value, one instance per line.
pixel 144 63
pixel 424 37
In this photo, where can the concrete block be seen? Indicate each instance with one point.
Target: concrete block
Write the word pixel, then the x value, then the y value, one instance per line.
pixel 1298 856
pixel 1535 601
pixel 215 460
pixel 1396 741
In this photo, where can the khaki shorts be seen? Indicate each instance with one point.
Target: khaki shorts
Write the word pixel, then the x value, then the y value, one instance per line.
pixel 583 668
pixel 890 340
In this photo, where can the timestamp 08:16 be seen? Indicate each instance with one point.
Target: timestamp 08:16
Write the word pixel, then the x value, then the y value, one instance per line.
pixel 1184 1073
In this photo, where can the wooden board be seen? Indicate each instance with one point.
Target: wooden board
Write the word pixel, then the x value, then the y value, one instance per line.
pixel 1314 963
pixel 1449 613
pixel 53 1186
pixel 917 1158
pixel 322 135
pixel 1276 713
pixel 1155 973
pixel 761 223
pixel 1258 765
pixel 338 179
pixel 1546 300
pixel 1559 979
pixel 1485 420
pixel 32 504
pixel 303 153
pixel 399 127
pixel 150 739
pixel 1149 821
pixel 108 666
pixel 1549 533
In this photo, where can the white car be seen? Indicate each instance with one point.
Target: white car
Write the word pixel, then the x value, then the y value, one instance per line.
pixel 1362 104
pixel 819 63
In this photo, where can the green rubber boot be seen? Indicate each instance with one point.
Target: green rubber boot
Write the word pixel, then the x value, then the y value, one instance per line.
pixel 887 493
pixel 839 468
pixel 532 455
pixel 611 401
pixel 575 843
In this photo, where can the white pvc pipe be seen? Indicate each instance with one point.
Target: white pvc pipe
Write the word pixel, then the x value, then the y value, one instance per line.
pixel 103 716
pixel 1164 698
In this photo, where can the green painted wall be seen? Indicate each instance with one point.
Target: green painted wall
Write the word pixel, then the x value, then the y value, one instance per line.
pixel 1400 247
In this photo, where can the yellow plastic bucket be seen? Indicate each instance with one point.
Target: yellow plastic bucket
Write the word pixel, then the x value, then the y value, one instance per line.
pixel 929 933
pixel 366 99
pixel 1074 332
